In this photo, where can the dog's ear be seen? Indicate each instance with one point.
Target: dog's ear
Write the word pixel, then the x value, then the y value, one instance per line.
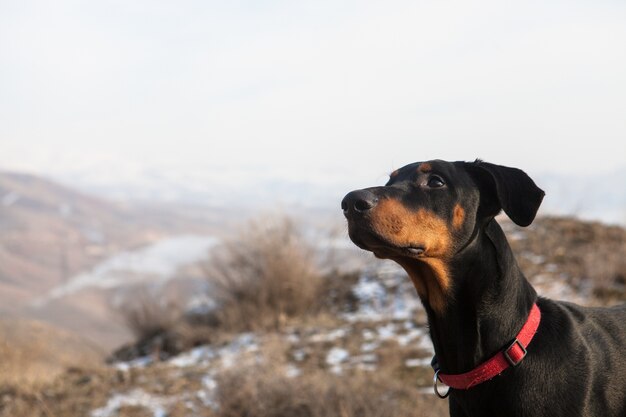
pixel 508 189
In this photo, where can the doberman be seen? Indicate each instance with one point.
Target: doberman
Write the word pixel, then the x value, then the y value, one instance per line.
pixel 503 350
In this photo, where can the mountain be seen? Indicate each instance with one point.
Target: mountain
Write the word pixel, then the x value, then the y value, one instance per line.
pixel 50 234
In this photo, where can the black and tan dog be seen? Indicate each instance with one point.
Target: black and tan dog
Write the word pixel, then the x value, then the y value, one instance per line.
pixel 503 350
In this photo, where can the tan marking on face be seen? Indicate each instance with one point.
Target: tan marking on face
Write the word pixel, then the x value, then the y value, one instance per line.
pixel 425 167
pixel 430 278
pixel 458 216
pixel 402 227
pixel 393 174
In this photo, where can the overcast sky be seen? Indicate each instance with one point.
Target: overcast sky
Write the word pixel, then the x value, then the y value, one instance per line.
pixel 313 90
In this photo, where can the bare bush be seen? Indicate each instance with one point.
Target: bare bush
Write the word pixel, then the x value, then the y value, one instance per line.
pixel 147 315
pixel 264 276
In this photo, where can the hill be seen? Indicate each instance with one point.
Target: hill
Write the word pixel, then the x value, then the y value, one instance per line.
pixel 50 234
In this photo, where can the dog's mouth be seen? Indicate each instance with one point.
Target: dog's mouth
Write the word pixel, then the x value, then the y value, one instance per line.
pixel 371 241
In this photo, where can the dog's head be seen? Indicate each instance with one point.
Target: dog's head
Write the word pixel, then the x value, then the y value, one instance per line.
pixel 429 211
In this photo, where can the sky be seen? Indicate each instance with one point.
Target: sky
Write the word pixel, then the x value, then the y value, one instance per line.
pixel 316 90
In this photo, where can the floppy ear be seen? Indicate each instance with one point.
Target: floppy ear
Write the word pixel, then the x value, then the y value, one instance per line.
pixel 508 189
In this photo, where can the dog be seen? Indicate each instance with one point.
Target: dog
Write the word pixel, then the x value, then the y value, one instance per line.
pixel 501 349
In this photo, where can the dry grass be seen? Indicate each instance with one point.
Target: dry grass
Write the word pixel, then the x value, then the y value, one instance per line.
pixel 264 392
pixel 34 353
pixel 587 255
pixel 261 387
pixel 264 276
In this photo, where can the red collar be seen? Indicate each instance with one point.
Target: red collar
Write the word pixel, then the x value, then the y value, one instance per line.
pixel 512 355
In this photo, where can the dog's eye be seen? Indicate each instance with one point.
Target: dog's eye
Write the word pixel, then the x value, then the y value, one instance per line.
pixel 435 182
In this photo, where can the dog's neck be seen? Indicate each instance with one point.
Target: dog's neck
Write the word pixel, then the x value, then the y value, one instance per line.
pixel 489 300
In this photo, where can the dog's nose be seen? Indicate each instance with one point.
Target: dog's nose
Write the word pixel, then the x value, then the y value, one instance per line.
pixel 358 201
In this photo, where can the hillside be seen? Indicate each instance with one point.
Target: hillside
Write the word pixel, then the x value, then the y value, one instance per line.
pixel 361 347
pixel 35 353
pixel 50 234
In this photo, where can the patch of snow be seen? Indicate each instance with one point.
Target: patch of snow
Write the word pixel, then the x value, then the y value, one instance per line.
pixel 408 325
pixel 141 362
pixel 230 353
pixel 370 346
pixel 209 382
pixel 425 344
pixel 366 290
pixel 384 291
pixel 136 398
pixel 196 356
pixel 515 234
pixel 337 369
pixel 404 308
pixel 292 371
pixel 534 258
pixel 387 331
pixel 207 398
pixel 368 334
pixel 299 355
pixel 338 333
pixel 410 336
pixel 417 362
pixel 336 356
pixel 293 338
pixel 366 358
pixel 548 286
pixel 207 394
pixel 200 305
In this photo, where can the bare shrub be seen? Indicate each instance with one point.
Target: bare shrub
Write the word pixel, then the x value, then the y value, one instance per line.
pixel 159 325
pixel 264 392
pixel 147 315
pixel 264 276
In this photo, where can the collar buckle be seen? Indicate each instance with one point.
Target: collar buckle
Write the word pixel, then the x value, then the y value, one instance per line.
pixel 515 352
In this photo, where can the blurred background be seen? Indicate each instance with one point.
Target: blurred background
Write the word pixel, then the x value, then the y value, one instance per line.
pixel 171 173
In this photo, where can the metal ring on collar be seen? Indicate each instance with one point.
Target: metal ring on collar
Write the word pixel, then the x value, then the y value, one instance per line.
pixel 435 380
